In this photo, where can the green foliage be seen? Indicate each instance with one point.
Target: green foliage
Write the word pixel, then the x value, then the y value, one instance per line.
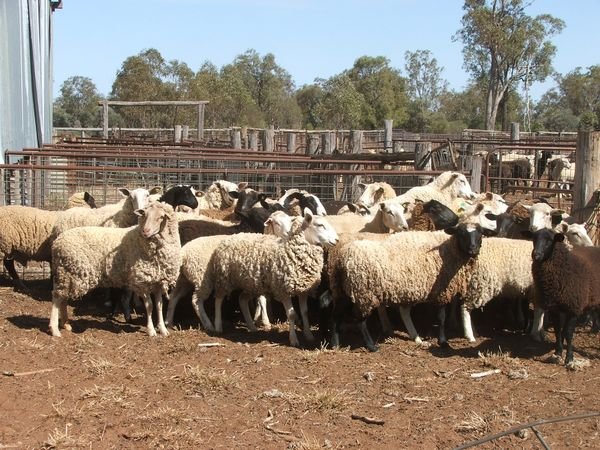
pixel 424 80
pixel 77 105
pixel 505 46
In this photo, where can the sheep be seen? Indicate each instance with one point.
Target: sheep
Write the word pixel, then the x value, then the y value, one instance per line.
pixel 445 188
pixel 180 195
pixel 566 282
pixel 372 194
pixel 264 264
pixel 373 223
pixel 26 236
pixel 83 199
pixel 119 215
pixel 215 198
pixel 304 199
pixel 196 256
pixel 560 170
pixel 194 227
pixel 145 259
pixel 373 273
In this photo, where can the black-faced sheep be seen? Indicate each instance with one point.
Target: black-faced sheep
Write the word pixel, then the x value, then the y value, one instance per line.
pixel 567 282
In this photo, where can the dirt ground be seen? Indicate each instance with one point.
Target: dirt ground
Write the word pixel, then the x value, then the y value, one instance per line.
pixel 108 385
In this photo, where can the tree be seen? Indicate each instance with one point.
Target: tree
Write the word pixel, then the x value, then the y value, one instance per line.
pixel 77 105
pixel 309 98
pixel 383 90
pixel 342 104
pixel 425 84
pixel 504 46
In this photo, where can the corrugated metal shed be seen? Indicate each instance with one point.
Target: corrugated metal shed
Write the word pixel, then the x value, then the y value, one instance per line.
pixel 25 73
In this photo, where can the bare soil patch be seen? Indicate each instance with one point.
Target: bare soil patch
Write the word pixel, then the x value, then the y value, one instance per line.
pixel 108 385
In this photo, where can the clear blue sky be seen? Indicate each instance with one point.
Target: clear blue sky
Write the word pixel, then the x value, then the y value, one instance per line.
pixel 309 38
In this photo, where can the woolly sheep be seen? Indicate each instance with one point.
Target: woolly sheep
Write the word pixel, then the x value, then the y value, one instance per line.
pixel 305 200
pixel 263 264
pixel 25 236
pixel 567 282
pixel 145 259
pixel 445 188
pixel 372 194
pixel 119 215
pixel 83 199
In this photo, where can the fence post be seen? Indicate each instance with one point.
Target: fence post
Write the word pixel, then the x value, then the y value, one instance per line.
pixel 476 168
pixel 357 141
pixel 269 139
pixel 515 134
pixel 291 142
pixel 587 172
pixel 423 160
pixel 313 144
pixel 236 139
pixel 200 122
pixel 177 136
pixel 328 139
pixel 253 139
pixel 185 133
pixel 388 123
pixel 105 119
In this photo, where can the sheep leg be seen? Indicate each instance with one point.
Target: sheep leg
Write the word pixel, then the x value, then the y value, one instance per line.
pixel 218 319
pixel 386 325
pixel 537 325
pixel 64 316
pixel 291 318
pixel 126 299
pixel 569 330
pixel 198 304
pixel 261 307
pixel 558 321
pixel 364 331
pixel 467 325
pixel 244 301
pixel 408 324
pixel 176 294
pixel 149 324
pixel 441 314
pixel 9 264
pixel 304 314
pixel 55 315
pixel 158 299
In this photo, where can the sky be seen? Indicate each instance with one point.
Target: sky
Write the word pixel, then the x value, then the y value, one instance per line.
pixel 309 38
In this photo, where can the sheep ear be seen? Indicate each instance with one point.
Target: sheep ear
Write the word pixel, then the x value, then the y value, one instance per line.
pixel 361 185
pixel 268 222
pixel 200 194
pixel 308 216
pixel 234 194
pixel 479 208
pixel 451 230
pixel 156 190
pixel 487 232
pixel 489 196
pixel 139 212
pixel 405 205
pixel 242 185
pixel 564 227
pixel 455 175
pixel 86 196
pixel 124 192
pixel 527 207
pixel 379 191
pixel 559 237
pixel 491 216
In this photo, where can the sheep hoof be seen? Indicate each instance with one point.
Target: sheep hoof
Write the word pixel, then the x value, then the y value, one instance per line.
pixel 294 342
pixel 56 333
pixel 164 331
pixel 445 345
pixel 267 327
pixel 309 337
pixel 418 340
pixel 68 327
pixel 372 348
pixel 151 332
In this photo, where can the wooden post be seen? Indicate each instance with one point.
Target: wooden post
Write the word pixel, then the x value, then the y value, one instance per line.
pixel 253 139
pixel 291 142
pixel 388 123
pixel 515 134
pixel 245 137
pixel 476 171
pixel 105 119
pixel 423 160
pixel 269 139
pixel 200 123
pixel 177 136
pixel 587 173
pixel 185 133
pixel 313 144
pixel 357 141
pixel 328 139
pixel 236 141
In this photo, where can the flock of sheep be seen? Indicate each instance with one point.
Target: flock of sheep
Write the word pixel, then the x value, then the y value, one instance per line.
pixel 439 243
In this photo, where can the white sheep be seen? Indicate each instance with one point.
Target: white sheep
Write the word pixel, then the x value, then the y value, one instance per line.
pixel 144 259
pixel 372 194
pixel 445 188
pixel 264 264
pixel 83 199
pixel 119 215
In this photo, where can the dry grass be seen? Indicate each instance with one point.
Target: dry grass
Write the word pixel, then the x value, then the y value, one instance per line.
pixel 309 443
pixel 65 411
pixel 34 344
pixel 111 395
pixel 323 400
pixel 87 342
pixel 473 423
pixel 59 439
pixel 202 380
pixel 99 366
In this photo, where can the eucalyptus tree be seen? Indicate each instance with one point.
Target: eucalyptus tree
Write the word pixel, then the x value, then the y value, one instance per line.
pixel 77 104
pixel 505 46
